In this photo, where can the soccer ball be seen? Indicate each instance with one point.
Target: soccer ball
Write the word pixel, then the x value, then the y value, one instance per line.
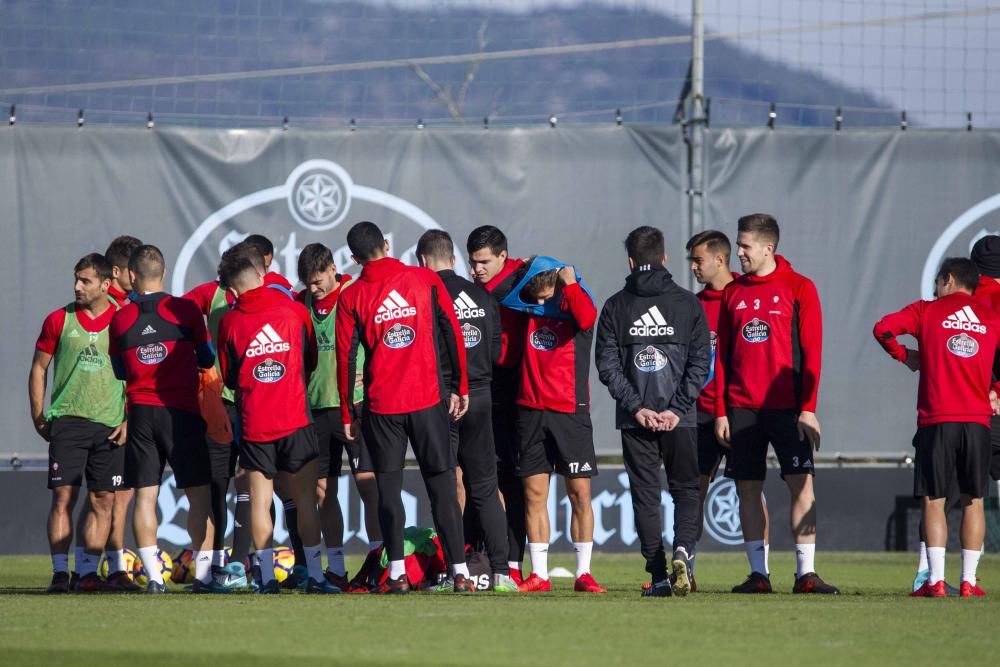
pixel 183 567
pixel 166 568
pixel 284 561
pixel 130 560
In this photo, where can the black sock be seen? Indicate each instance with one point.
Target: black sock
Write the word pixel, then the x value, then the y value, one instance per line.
pixel 292 524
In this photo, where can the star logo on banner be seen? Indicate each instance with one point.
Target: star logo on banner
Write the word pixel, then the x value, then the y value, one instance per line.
pixel 319 197
pixel 722 512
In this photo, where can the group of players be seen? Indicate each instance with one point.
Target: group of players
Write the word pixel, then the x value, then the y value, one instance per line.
pixel 242 379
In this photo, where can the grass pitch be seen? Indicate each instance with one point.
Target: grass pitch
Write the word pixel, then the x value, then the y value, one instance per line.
pixel 873 622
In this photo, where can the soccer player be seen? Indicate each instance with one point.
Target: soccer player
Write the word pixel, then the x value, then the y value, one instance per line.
pixel 404 320
pixel 472 436
pixel 653 353
pixel 323 286
pixel 118 253
pixel 266 248
pixel 708 255
pixel 986 256
pixel 957 339
pixel 85 423
pixel 267 351
pixel 157 343
pixel 494 270
pixel 553 414
pixel 767 371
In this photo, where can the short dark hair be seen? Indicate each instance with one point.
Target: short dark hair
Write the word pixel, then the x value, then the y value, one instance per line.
pixel 147 262
pixel 365 240
pixel 314 258
pixel 98 262
pixel 713 240
pixel 963 270
pixel 763 225
pixel 121 249
pixel 436 243
pixel 241 258
pixel 486 236
pixel 262 243
pixel 644 245
pixel 541 281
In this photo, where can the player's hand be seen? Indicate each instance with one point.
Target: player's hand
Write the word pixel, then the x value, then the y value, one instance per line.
pixel 458 406
pixel 669 420
pixel 351 431
pixel 646 419
pixel 809 428
pixel 912 360
pixel 567 275
pixel 119 434
pixel 42 428
pixel 722 431
pixel 994 402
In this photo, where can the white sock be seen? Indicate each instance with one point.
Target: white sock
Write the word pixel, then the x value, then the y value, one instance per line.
pixel 219 558
pixel 970 561
pixel 514 565
pixel 397 569
pixel 116 560
pixel 757 555
pixel 265 559
pixel 335 561
pixel 935 557
pixel 539 559
pixel 922 557
pixel 460 569
pixel 805 559
pixel 583 552
pixel 314 561
pixel 60 563
pixel 150 563
pixel 88 564
pixel 77 558
pixel 767 558
pixel 203 566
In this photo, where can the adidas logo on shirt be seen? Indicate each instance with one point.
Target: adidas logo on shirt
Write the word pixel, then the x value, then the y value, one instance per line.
pixel 466 308
pixel 148 330
pixel 742 305
pixel 964 320
pixel 267 341
pixel 651 324
pixel 393 308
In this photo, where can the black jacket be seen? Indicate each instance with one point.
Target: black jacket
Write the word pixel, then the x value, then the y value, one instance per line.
pixel 653 347
pixel 479 318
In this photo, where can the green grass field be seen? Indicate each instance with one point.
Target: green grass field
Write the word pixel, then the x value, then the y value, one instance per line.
pixel 873 622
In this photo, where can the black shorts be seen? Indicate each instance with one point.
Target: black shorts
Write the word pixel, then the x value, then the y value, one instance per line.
pixel 710 452
pixel 750 431
pixel 428 432
pixel 289 454
pixel 472 438
pixel 503 393
pixel 80 448
pixel 559 441
pixel 948 452
pixel 995 447
pixel 333 444
pixel 159 435
pixel 222 459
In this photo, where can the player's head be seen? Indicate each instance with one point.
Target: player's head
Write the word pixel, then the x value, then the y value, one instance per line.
pixel 436 251
pixel 367 243
pixel 542 286
pixel 487 248
pixel 645 247
pixel 956 274
pixel 146 268
pixel 241 269
pixel 264 245
pixel 986 256
pixel 756 241
pixel 92 277
pixel 317 270
pixel 118 253
pixel 708 254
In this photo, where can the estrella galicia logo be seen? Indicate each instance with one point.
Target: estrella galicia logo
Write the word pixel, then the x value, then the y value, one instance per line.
pixel 544 339
pixel 963 345
pixel 398 336
pixel 650 359
pixel 472 335
pixel 713 339
pixel 151 353
pixel 756 331
pixel 269 371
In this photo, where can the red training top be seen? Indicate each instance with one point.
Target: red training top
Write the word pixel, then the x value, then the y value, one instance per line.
pixel 119 297
pixel 711 302
pixel 770 343
pixel 404 319
pixel 511 321
pixel 267 351
pixel 957 338
pixel 155 338
pixel 988 293
pixel 203 294
pixel 555 368
pixel 52 327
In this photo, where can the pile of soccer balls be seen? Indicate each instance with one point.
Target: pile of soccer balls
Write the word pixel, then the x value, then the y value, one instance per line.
pixel 179 569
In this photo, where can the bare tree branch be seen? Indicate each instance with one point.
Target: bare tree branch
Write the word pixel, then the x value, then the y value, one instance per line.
pixel 455 104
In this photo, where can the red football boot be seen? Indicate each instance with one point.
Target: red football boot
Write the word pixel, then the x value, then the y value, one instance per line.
pixel 515 574
pixel 586 584
pixel 535 584
pixel 970 590
pixel 929 590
